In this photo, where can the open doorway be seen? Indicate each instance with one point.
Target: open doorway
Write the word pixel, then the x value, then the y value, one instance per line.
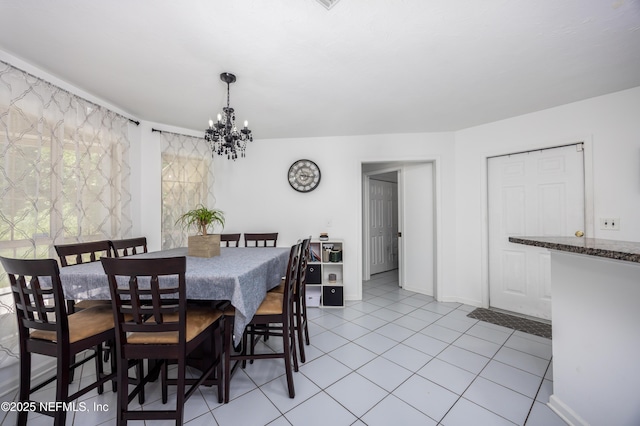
pixel 410 242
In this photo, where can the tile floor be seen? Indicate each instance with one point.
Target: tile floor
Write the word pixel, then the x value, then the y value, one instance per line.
pixel 395 357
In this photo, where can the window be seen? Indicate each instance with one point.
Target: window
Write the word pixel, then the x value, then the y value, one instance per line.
pixel 187 180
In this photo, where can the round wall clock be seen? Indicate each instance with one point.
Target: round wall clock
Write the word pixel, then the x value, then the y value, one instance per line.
pixel 304 175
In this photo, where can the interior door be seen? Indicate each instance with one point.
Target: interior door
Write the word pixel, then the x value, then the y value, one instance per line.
pixel 383 226
pixel 418 231
pixel 537 193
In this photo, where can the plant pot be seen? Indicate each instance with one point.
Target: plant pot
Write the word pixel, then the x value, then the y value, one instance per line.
pixel 204 245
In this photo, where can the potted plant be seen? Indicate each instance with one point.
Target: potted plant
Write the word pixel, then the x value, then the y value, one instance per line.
pixel 203 244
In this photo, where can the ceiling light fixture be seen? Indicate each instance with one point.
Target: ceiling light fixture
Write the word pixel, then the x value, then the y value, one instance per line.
pixel 223 136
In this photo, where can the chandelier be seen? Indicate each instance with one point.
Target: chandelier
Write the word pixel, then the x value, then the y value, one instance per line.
pixel 223 136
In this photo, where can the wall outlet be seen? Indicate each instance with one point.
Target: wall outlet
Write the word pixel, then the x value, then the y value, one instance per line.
pixel 610 223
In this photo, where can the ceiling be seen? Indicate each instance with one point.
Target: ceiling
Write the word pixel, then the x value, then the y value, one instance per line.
pixel 362 67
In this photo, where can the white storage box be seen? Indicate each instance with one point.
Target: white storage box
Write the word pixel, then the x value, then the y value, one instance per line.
pixel 313 296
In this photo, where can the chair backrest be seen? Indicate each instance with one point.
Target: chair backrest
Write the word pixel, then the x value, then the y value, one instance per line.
pixel 230 240
pixel 83 252
pixel 129 246
pixel 291 277
pixel 152 297
pixel 301 281
pixel 268 239
pixel 38 296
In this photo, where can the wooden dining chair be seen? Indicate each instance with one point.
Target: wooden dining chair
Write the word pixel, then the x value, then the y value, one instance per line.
pixel 268 239
pixel 45 328
pixel 128 246
pixel 76 253
pixel 153 322
pixel 273 315
pixel 230 240
pixel 301 325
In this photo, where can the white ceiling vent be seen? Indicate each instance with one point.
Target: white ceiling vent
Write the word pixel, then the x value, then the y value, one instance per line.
pixel 328 3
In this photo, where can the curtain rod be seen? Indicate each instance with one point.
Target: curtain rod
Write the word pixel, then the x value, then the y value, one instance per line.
pixel 175 133
pixel 137 123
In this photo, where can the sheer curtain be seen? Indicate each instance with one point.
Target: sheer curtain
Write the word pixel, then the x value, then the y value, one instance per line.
pixel 187 180
pixel 64 177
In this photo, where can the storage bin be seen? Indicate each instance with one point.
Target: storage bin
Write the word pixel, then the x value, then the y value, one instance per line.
pixel 314 274
pixel 332 295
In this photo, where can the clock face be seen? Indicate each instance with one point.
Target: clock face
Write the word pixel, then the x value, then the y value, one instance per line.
pixel 304 175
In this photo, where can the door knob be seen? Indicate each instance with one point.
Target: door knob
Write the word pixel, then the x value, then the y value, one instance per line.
pixel 579 234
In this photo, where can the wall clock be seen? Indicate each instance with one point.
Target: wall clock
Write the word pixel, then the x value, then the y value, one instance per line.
pixel 304 175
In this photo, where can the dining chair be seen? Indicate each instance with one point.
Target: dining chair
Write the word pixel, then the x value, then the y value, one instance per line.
pixel 299 300
pixel 45 328
pixel 154 322
pixel 76 253
pixel 268 239
pixel 230 240
pixel 128 246
pixel 274 313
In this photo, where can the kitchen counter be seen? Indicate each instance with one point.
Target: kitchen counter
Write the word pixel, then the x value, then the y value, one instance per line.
pixel 595 309
pixel 620 250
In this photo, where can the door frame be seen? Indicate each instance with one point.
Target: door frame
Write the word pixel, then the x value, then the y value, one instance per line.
pixel 589 219
pixel 398 165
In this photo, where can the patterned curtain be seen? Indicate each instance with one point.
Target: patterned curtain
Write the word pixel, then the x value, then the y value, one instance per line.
pixel 187 180
pixel 64 177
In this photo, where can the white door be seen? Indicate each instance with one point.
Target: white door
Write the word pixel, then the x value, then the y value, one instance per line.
pixel 418 232
pixel 537 193
pixel 383 243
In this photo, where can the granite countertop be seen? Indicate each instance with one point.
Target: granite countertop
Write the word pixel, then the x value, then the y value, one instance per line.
pixel 621 250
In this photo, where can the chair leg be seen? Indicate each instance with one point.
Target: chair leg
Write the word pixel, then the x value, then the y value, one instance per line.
pixel 25 384
pixel 62 385
pixel 286 342
pixel 123 390
pixel 228 347
pixel 298 329
pixel 99 367
pixel 164 384
pixel 140 376
pixel 180 390
pixel 218 353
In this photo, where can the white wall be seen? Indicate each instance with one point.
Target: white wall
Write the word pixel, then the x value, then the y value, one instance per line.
pixel 610 127
pixel 256 196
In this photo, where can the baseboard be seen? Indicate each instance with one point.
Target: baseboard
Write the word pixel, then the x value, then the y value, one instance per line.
pixel 565 413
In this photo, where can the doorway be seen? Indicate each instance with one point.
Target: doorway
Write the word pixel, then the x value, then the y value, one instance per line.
pixel 534 193
pixel 417 229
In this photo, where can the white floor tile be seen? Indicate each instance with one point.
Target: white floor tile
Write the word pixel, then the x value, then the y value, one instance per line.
pixel 409 358
pixel 512 378
pixel 441 333
pixel 353 356
pixel 425 344
pixel 465 413
pixel 393 411
pixel 278 392
pixel 447 375
pixel 395 332
pixel 477 345
pixel 500 400
pixel 542 415
pixel 235 413
pixel 384 373
pixel 324 371
pixel 464 359
pixel 375 342
pixel 428 397
pixel 328 341
pixel 356 393
pixel 532 347
pixel 523 361
pixel 487 333
pixel 308 413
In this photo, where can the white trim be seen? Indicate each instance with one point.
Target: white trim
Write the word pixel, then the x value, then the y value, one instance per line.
pixel 565 413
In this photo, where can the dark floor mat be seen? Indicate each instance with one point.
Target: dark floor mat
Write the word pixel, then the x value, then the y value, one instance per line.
pixel 512 321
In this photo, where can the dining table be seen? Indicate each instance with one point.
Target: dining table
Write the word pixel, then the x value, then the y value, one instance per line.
pixel 240 275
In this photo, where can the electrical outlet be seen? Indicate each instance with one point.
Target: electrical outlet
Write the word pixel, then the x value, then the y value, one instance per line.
pixel 610 223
